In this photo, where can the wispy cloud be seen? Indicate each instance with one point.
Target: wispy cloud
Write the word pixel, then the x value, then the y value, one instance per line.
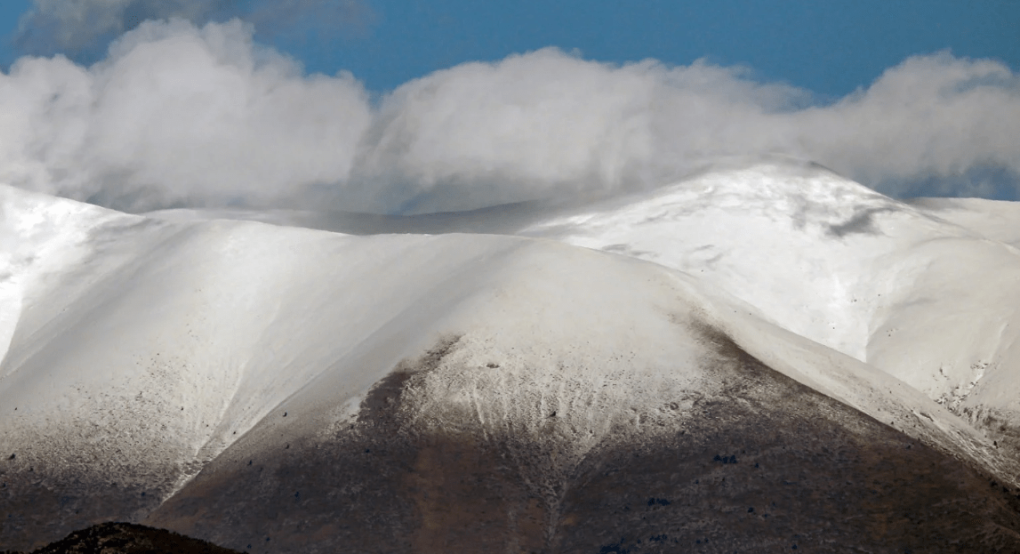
pixel 74 25
pixel 178 114
pixel 325 17
pixel 82 28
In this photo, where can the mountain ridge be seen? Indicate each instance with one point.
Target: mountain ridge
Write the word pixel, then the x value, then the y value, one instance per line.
pixel 153 361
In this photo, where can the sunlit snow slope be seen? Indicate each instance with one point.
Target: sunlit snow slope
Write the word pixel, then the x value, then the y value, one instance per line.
pixel 926 291
pixel 753 358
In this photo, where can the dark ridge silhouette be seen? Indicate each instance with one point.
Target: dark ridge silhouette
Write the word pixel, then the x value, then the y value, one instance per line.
pixel 127 538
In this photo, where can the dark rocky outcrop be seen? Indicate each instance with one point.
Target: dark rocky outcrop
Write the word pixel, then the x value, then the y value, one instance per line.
pixel 128 538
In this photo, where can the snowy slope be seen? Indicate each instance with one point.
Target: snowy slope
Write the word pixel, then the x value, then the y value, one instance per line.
pixel 928 295
pixel 994 219
pixel 220 323
pixel 244 382
pixel 40 237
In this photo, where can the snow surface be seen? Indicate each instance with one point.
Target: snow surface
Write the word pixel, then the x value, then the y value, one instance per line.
pixel 140 350
pixel 835 262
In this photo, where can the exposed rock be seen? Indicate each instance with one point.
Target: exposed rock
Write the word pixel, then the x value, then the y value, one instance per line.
pixel 128 538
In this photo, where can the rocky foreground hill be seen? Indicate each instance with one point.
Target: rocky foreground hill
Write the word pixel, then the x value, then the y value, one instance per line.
pixel 127 538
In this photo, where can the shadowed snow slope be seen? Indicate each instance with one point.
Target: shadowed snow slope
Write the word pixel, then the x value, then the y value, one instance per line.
pixel 752 362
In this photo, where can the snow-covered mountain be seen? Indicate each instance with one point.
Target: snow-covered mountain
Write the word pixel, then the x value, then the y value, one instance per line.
pixel 752 358
pixel 926 292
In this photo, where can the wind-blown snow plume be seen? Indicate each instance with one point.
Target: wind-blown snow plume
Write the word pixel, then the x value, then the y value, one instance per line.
pixel 185 115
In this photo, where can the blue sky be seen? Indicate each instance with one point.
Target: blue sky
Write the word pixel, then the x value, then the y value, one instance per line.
pixel 830 47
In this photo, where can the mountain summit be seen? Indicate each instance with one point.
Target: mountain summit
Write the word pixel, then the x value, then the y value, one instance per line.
pixel 753 358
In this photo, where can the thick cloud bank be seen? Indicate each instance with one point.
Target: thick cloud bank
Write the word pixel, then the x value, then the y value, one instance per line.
pixel 177 114
pixel 184 115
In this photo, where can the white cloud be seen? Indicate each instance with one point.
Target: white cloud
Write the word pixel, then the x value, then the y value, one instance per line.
pixel 515 129
pixel 178 114
pixel 929 117
pixel 512 130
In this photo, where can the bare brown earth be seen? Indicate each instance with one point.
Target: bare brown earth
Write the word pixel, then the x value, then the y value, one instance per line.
pixel 767 465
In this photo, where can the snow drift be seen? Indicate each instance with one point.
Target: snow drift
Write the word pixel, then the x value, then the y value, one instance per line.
pixel 752 358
